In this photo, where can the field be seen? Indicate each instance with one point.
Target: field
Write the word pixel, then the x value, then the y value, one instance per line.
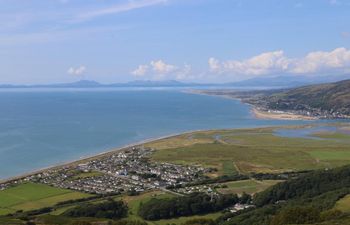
pixel 134 203
pixel 253 150
pixel 29 196
pixel 343 204
pixel 247 186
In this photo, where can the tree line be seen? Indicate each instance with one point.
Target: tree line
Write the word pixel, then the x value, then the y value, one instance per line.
pixel 193 204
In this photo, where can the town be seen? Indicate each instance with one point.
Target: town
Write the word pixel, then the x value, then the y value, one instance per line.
pixel 129 171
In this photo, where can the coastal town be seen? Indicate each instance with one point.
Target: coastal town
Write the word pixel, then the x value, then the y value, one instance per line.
pixel 126 171
pixel 268 105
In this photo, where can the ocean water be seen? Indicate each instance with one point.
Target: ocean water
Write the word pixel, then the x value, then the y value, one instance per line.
pixel 40 128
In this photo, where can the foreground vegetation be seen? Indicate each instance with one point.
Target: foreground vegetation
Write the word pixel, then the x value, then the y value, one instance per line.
pixel 309 199
pixel 279 172
pixel 194 204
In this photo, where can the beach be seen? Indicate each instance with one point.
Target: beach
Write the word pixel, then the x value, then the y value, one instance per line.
pixel 278 116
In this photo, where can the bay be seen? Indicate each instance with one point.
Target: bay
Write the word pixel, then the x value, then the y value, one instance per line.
pixel 44 127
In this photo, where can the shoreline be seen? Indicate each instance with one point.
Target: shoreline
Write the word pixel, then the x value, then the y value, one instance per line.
pixel 98 155
pixel 260 114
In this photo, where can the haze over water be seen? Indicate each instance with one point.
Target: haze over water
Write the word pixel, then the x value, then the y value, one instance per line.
pixel 42 128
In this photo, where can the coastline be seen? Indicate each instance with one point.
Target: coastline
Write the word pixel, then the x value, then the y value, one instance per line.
pixel 259 114
pixel 92 157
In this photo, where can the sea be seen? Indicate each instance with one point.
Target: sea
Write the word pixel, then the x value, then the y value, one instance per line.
pixel 45 127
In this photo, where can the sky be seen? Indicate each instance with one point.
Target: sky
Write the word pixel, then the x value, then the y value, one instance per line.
pixel 110 41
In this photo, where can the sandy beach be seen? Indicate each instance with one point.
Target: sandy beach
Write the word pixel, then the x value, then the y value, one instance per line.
pixel 279 116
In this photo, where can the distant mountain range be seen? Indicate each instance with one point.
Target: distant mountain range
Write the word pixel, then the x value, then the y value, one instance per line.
pixel 268 82
pixel 94 84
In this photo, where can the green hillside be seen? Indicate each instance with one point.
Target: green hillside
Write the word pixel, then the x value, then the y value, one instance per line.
pixel 332 99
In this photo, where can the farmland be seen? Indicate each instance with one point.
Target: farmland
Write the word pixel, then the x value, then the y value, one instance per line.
pixel 256 150
pixel 30 196
pixel 247 186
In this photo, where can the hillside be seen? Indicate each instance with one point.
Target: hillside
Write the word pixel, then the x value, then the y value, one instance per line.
pixel 331 100
pixel 310 199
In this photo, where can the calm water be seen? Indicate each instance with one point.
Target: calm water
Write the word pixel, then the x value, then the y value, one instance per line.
pixel 306 133
pixel 42 128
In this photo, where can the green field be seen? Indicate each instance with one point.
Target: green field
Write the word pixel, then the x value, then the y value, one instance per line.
pixel 135 201
pixel 134 204
pixel 247 186
pixel 29 196
pixel 343 204
pixel 252 150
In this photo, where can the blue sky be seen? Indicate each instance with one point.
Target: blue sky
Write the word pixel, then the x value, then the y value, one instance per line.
pixel 109 41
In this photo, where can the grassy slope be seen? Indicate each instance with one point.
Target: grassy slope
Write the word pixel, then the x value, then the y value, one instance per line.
pixel 253 150
pixel 247 186
pixel 134 204
pixel 31 196
pixel 334 96
pixel 343 204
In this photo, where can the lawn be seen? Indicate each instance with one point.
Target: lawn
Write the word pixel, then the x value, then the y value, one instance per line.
pixel 29 196
pixel 251 150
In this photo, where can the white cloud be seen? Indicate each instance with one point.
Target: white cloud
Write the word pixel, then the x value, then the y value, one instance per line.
pixel 140 71
pixel 264 63
pixel 214 65
pixel 322 61
pixel 158 69
pixel 77 71
pixel 161 67
pixel 185 73
pixel 336 61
